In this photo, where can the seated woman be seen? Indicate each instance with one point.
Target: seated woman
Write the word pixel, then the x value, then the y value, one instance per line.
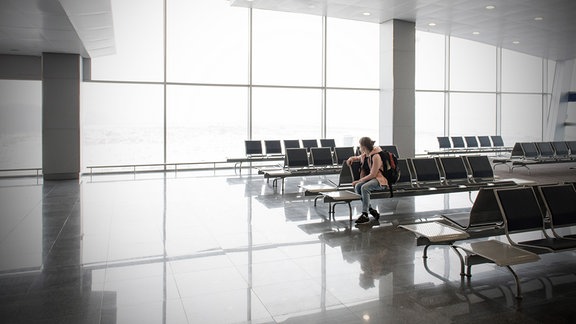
pixel 371 176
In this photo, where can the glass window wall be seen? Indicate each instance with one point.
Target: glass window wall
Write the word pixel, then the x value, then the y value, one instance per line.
pixel 472 66
pixel 20 124
pixel 347 115
pixel 138 35
pixel 122 124
pixel 353 54
pixel 206 123
pixel 287 49
pixel 201 45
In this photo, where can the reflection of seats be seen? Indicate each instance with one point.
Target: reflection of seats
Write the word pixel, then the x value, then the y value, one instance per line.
pixel 321 156
pixel 341 154
pixel 253 147
pixel 560 201
pixel 273 147
pixel 297 158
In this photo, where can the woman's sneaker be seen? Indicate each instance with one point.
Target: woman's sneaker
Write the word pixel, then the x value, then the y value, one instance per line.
pixel 363 219
pixel 374 213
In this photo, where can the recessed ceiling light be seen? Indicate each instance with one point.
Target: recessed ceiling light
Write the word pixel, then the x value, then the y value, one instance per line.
pixel 432 24
pixel 366 13
pixel 538 18
pixel 516 42
pixel 490 7
pixel 476 33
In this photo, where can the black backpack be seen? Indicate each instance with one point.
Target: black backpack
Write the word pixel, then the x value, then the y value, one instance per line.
pixel 391 169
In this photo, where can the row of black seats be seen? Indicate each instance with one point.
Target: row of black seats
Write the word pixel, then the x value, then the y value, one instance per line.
pixel 544 151
pixel 470 142
pixel 323 156
pixel 277 147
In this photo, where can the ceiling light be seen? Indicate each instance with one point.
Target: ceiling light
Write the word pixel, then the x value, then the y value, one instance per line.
pixel 366 13
pixel 538 18
pixel 490 7
pixel 516 42
pixel 476 33
pixel 432 24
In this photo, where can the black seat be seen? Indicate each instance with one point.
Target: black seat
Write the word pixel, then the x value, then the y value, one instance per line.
pixel 481 171
pixel 530 151
pixel 545 150
pixel 328 142
pixel 444 142
pixel 342 154
pixel 426 171
pixel 471 141
pixel 273 147
pixel 561 150
pixel 321 156
pixel 497 141
pixel 560 201
pixel 484 141
pixel 308 143
pixel 288 144
pixel 454 170
pixel 458 142
pixel 522 213
pixel 253 148
pixel 297 158
pixel 484 213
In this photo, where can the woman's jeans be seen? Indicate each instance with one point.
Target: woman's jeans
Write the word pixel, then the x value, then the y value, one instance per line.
pixel 364 189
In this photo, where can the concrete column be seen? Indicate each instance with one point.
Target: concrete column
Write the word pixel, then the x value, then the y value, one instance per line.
pixel 397 84
pixel 61 76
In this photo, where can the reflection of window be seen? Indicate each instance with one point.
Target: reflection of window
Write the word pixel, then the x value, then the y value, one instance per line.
pixel 353 54
pixel 206 123
pixel 287 49
pixel 20 124
pixel 351 114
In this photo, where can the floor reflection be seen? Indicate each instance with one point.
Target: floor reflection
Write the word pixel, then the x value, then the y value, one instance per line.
pixel 226 248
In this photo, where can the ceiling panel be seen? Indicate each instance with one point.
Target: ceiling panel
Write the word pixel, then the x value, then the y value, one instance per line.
pixel 510 21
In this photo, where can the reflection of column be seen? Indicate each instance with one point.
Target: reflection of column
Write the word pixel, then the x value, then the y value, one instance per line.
pixel 249 265
pixel 164 292
pixel 323 269
pixel 61 254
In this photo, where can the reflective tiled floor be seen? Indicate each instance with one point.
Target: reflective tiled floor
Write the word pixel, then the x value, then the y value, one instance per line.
pixel 220 247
